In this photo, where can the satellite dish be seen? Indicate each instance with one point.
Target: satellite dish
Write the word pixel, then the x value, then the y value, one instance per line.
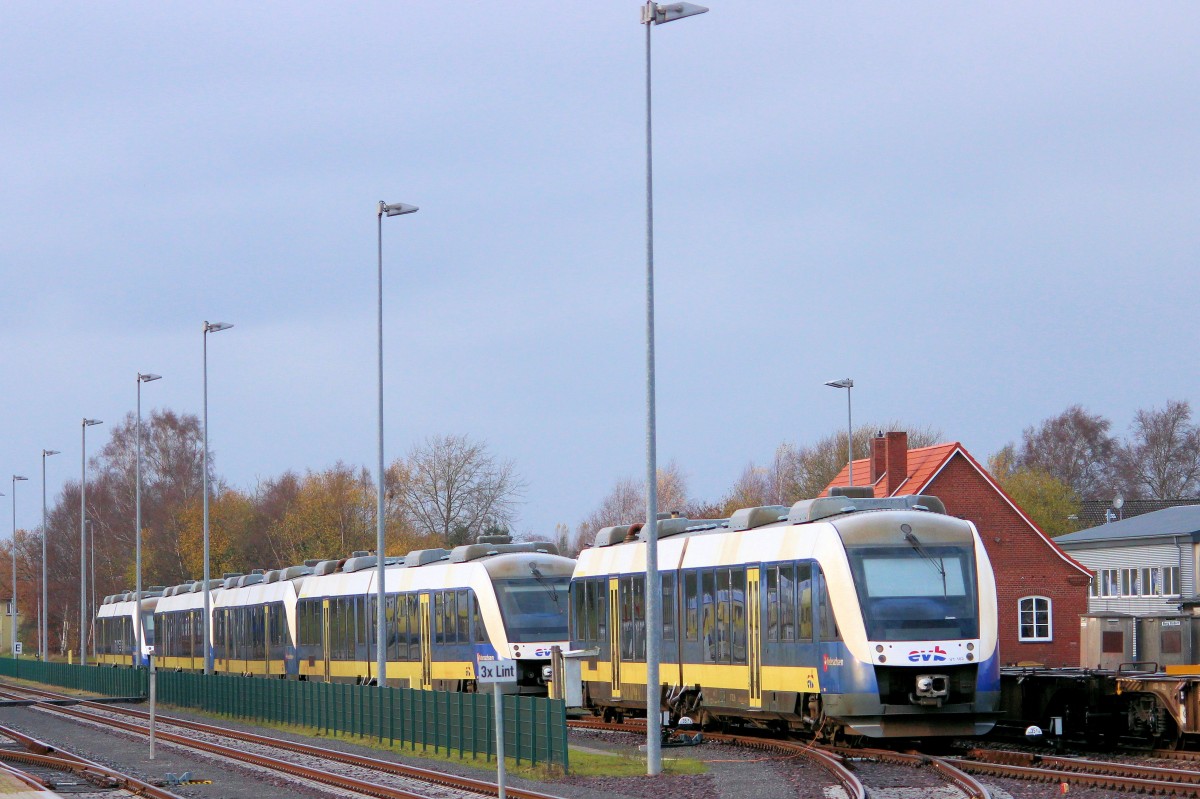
pixel 1118 502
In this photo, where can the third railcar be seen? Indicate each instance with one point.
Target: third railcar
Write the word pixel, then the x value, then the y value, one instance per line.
pixel 840 615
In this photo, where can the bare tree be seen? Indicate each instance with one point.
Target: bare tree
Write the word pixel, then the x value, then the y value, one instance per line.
pixel 626 503
pixel 1161 458
pixel 804 472
pixel 1074 447
pixel 455 487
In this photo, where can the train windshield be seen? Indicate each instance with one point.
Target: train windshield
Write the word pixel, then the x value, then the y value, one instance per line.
pixel 916 593
pixel 534 608
pixel 148 628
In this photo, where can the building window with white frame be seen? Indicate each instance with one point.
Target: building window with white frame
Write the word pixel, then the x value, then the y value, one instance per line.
pixel 1034 619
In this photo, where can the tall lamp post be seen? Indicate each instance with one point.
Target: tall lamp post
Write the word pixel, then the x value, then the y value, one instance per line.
pixel 44 631
pixel 83 602
pixel 209 327
pixel 15 479
pixel 653 14
pixel 384 209
pixel 137 596
pixel 847 384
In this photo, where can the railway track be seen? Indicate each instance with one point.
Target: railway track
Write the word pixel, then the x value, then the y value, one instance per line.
pixel 1022 766
pixel 326 766
pixel 1081 771
pixel 44 767
pixel 833 760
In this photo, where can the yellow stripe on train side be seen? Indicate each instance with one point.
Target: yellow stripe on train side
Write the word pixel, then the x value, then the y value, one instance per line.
pixel 802 679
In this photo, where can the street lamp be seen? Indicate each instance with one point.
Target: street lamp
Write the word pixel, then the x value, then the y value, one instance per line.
pixel 209 327
pixel 653 14
pixel 44 631
pixel 15 479
pixel 384 209
pixel 137 596
pixel 847 384
pixel 83 603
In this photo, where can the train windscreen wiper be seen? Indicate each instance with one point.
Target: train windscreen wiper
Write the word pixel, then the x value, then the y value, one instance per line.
pixel 937 563
pixel 537 575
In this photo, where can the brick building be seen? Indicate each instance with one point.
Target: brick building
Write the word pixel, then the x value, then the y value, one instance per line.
pixel 1041 591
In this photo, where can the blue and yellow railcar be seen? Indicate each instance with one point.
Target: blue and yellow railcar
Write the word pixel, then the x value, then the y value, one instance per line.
pixel 843 615
pixel 440 604
pixel 116 631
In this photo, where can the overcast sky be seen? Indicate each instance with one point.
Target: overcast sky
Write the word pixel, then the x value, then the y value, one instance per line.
pixel 981 212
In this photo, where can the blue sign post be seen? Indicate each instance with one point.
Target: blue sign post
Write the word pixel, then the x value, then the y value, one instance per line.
pixel 490 668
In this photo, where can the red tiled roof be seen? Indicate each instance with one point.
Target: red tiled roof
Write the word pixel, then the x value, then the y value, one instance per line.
pixel 923 464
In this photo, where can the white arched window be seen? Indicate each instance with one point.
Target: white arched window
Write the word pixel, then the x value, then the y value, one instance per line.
pixel 1034 619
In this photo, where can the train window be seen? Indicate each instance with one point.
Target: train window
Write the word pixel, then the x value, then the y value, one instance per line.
pixel 598 618
pixel 668 607
pixel 787 602
pixel 464 618
pixel 579 595
pixel 639 617
pixel 708 614
pixel 439 619
pixel 1035 619
pixel 804 606
pixel 772 603
pixel 691 606
pixel 477 621
pixel 737 617
pixel 450 608
pixel 343 620
pixel 414 627
pixel 724 616
pixel 829 630
pixel 627 634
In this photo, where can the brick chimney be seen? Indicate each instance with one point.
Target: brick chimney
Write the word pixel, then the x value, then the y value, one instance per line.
pixel 878 457
pixel 896 447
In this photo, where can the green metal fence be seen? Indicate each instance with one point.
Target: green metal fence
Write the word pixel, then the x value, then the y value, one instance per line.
pixel 535 728
pixel 93 679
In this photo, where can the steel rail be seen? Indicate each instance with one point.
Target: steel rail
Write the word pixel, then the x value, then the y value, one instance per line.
pixel 948 769
pixel 395 769
pixel 1060 767
pixel 830 763
pixel 1109 781
pixel 28 779
pixel 90 770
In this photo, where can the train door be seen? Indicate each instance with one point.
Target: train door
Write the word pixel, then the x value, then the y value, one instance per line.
pixel 754 636
pixel 426 645
pixel 614 635
pixel 326 638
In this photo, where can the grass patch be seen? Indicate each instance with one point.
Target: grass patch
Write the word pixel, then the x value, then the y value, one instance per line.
pixel 590 764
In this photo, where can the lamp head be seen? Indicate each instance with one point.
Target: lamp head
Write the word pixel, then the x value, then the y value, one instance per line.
pixel 216 327
pixel 146 378
pixel 90 422
pixel 17 477
pixel 396 209
pixel 658 13
pixel 845 382
pixel 46 452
